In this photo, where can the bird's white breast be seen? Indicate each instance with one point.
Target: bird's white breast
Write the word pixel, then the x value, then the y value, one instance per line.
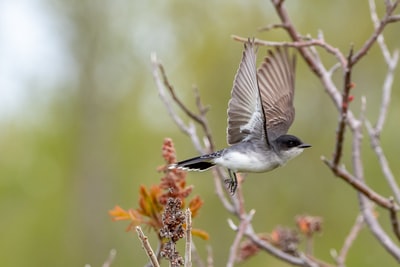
pixel 249 162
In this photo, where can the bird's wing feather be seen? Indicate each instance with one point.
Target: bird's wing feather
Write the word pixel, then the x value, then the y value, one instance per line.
pixel 245 118
pixel 276 84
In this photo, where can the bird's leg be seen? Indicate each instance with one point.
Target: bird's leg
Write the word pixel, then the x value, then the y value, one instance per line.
pixel 232 181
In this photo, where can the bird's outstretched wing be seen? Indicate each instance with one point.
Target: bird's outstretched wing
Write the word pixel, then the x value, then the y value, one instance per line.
pixel 245 116
pixel 276 84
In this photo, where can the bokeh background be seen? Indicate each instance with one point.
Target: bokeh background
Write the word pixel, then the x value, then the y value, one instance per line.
pixel 81 125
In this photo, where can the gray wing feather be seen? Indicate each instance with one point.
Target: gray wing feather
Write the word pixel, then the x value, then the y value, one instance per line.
pixel 245 119
pixel 276 83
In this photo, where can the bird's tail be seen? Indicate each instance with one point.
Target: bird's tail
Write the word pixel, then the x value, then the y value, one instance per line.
pixel 201 163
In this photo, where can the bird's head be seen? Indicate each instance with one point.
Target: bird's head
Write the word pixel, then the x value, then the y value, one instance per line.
pixel 289 146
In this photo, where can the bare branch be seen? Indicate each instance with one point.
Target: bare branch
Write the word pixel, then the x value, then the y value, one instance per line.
pixel 383 162
pixel 394 18
pixel 278 2
pixel 365 205
pixel 196 259
pixel 316 66
pixel 355 230
pixel 110 259
pixel 392 64
pixel 189 130
pixel 359 185
pixel 386 92
pixel 201 119
pixel 376 229
pixel 175 98
pixel 239 234
pixel 296 37
pixel 210 259
pixel 299 44
pixel 147 248
pixel 188 247
pixel 315 261
pixel 375 20
pixel 394 220
pixel 374 133
pixel 337 154
pixel 354 124
pixel 268 247
pixel 379 27
pixel 271 26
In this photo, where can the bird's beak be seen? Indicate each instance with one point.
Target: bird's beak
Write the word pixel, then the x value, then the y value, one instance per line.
pixel 304 145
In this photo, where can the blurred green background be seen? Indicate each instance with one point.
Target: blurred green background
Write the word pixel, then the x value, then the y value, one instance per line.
pixel 81 124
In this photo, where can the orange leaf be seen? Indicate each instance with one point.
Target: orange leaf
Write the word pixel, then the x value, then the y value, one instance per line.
pixel 119 214
pixel 145 202
pixel 195 204
pixel 155 192
pixel 200 233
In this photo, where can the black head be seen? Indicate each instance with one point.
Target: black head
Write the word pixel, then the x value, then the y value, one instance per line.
pixel 286 142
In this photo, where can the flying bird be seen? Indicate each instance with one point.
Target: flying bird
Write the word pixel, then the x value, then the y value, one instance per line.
pixel 260 113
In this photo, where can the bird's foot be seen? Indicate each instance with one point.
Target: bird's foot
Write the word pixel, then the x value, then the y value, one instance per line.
pixel 231 185
pixel 232 182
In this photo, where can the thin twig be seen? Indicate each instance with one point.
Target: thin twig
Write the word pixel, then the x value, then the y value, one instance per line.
pixel 391 62
pixel 299 44
pixel 196 259
pixel 315 65
pixel 390 8
pixel 239 234
pixel 271 26
pixel 161 81
pixel 204 122
pixel 175 97
pixel 296 37
pixel 146 246
pixel 351 237
pixel 315 261
pixel 376 229
pixel 365 204
pixel 201 119
pixel 210 258
pixel 110 259
pixel 268 247
pixel 359 185
pixel 394 18
pixel 375 21
pixel 374 132
pixel 394 220
pixel 387 90
pixel 337 154
pixel 383 162
pixel 188 249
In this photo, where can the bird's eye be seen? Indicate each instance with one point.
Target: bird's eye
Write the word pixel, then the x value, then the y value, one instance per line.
pixel 292 143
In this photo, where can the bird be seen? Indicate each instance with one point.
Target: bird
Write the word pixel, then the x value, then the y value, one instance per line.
pixel 260 113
